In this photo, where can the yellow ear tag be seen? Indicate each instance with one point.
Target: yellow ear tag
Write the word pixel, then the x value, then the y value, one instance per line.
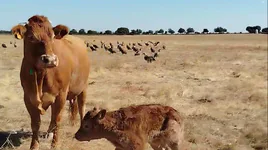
pixel 18 36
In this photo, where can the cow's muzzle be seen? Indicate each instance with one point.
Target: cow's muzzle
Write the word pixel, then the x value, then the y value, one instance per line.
pixel 49 60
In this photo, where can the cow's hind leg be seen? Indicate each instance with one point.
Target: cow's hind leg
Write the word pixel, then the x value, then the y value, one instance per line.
pixel 35 122
pixel 81 104
pixel 73 110
pixel 57 109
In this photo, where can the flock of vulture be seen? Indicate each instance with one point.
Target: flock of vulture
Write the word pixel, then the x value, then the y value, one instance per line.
pixel 5 46
pixel 140 47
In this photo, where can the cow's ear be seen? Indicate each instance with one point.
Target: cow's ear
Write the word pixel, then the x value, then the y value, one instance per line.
pixel 60 31
pixel 101 114
pixel 18 31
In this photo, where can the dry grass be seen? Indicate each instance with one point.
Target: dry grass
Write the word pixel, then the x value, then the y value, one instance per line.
pixel 218 82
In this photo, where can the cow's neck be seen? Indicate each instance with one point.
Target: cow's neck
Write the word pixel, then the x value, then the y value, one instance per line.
pixel 43 77
pixel 40 80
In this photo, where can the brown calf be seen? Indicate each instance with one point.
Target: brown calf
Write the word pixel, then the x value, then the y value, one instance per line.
pixel 52 70
pixel 132 127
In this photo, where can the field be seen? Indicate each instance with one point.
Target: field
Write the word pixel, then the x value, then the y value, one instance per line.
pixel 218 83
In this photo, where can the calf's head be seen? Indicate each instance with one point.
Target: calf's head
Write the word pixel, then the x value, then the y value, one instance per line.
pixel 38 38
pixel 91 127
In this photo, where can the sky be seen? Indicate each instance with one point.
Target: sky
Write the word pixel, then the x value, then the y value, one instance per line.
pixel 101 15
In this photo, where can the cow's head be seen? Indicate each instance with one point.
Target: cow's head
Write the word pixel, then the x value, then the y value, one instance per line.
pixel 91 127
pixel 38 38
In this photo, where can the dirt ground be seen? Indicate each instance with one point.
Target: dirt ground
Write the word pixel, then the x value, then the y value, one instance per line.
pixel 218 82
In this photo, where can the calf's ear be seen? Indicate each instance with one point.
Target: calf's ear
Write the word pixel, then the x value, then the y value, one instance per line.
pixel 18 31
pixel 87 116
pixel 101 114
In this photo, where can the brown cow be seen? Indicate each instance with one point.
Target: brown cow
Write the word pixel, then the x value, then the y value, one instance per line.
pixel 130 128
pixel 52 70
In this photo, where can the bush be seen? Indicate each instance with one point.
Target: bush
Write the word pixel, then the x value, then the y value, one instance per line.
pixel 264 30
pixel 205 31
pixel 253 29
pixel 190 30
pixel 220 30
pixel 92 32
pixel 161 31
pixel 108 32
pixel 122 31
pixel 5 32
pixel 73 31
pixel 171 31
pixel 181 30
pixel 82 31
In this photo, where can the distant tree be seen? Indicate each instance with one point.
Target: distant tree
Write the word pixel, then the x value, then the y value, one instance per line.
pixel 181 30
pixel 253 29
pixel 92 32
pixel 101 32
pixel 156 32
pixel 264 30
pixel 5 32
pixel 220 30
pixel 138 31
pixel 82 31
pixel 150 32
pixel 197 32
pixel 161 31
pixel 132 32
pixel 170 31
pixel 165 32
pixel 205 31
pixel 73 31
pixel 108 32
pixel 258 28
pixel 122 31
pixel 190 30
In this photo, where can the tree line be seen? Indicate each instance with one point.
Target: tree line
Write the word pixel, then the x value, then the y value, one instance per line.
pixel 126 31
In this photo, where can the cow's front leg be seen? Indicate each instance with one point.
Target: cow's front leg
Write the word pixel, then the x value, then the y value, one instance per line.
pixel 35 122
pixel 57 109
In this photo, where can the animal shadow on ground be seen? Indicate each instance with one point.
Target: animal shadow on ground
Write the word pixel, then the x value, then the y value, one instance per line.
pixel 12 139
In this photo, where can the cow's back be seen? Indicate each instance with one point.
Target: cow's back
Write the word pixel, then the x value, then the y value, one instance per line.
pixel 73 56
pixel 146 117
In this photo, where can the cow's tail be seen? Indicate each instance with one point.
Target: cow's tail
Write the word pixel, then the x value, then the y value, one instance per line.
pixel 73 109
